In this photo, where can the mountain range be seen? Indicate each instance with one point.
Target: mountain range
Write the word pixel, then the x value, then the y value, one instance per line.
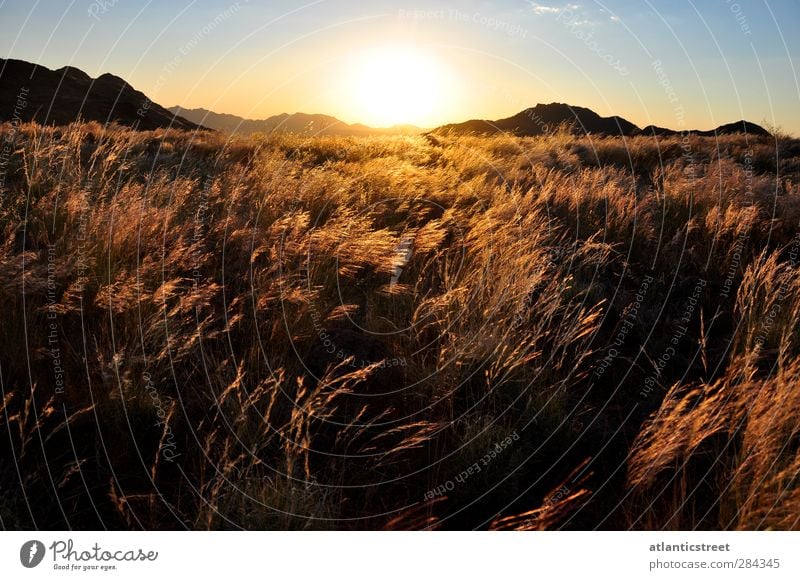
pixel 545 119
pixel 303 123
pixel 57 97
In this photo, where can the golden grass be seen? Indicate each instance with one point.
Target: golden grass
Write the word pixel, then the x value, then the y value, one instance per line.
pixel 241 343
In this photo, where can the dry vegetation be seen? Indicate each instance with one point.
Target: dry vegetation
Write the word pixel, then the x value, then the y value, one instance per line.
pixel 410 332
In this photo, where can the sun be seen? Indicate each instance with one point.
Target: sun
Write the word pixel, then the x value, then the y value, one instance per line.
pixel 395 85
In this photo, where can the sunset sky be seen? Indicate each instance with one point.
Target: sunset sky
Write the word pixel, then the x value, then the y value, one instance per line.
pixel 679 64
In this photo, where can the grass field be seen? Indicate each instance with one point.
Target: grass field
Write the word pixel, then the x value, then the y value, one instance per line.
pixel 400 332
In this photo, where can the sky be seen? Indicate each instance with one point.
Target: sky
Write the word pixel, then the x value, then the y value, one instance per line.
pixel 673 63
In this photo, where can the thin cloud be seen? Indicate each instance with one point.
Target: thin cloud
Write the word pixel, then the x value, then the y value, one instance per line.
pixel 544 9
pixel 579 16
pixel 611 16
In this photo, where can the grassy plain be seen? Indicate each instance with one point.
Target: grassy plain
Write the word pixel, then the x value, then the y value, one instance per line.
pixel 400 332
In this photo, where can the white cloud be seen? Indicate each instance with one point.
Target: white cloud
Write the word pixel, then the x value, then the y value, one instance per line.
pixel 579 15
pixel 544 9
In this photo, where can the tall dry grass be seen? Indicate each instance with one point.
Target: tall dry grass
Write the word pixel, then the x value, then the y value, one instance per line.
pixel 291 333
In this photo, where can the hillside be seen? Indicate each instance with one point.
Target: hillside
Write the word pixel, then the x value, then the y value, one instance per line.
pixel 67 94
pixel 545 119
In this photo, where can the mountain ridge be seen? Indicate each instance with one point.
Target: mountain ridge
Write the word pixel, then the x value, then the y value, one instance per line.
pixel 68 94
pixel 302 123
pixel 545 119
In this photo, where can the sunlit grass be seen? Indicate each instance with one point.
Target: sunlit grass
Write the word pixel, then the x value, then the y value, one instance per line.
pixel 242 344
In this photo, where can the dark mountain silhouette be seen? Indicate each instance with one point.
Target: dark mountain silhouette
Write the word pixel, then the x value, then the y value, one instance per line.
pixel 658 131
pixel 303 123
pixel 737 127
pixel 546 119
pixel 58 97
pixel 729 129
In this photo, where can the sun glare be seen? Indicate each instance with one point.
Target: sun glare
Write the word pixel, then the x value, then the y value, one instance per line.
pixel 397 85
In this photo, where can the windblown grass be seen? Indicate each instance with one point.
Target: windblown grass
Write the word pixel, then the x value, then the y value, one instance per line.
pixel 292 333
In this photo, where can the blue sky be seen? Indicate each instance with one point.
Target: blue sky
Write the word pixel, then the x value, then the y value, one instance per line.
pixel 673 63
